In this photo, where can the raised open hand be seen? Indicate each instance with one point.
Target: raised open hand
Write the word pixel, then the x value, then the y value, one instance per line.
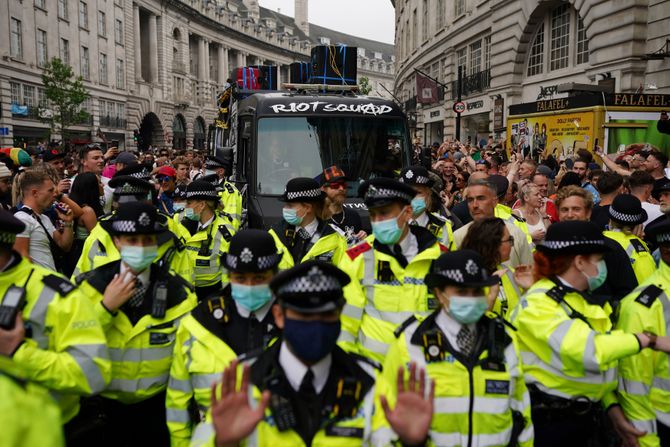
pixel 413 412
pixel 232 416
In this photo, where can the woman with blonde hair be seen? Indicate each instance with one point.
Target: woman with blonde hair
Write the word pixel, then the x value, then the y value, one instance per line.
pixel 532 210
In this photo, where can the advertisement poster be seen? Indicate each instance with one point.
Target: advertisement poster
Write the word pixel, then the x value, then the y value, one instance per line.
pixel 557 134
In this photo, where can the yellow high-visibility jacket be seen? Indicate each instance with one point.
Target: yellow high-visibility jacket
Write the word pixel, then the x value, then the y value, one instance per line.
pixel 640 257
pixel 330 244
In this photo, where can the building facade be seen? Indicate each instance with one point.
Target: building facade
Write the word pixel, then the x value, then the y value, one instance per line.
pixel 152 66
pixel 518 51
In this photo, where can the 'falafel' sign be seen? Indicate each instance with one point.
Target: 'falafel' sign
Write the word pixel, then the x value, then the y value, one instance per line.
pixel 327 107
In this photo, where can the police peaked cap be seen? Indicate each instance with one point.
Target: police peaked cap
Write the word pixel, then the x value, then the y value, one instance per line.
pixel 302 189
pixel 310 287
pixel 416 176
pixel 463 268
pixel 126 185
pixel 573 238
pixel 179 192
pixel 135 170
pixel 211 178
pixel 10 226
pixel 627 209
pixel 218 162
pixel 134 218
pixel 201 190
pixel 251 251
pixel 382 191
pixel 659 231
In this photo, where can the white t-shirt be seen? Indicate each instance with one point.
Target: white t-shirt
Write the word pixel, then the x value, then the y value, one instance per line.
pixel 39 250
pixel 653 212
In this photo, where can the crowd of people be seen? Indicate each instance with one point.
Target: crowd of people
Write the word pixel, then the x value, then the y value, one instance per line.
pixel 492 299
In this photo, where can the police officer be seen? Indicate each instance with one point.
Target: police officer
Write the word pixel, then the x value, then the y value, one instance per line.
pixel 625 214
pixel 231 199
pixel 99 248
pixel 569 349
pixel 643 391
pixel 302 234
pixel 206 236
pixel 235 321
pixel 422 205
pixel 140 305
pixel 306 390
pixel 387 270
pixel 468 356
pixel 49 333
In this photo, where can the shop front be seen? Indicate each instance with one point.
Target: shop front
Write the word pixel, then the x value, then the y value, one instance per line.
pixel 476 120
pixel 433 125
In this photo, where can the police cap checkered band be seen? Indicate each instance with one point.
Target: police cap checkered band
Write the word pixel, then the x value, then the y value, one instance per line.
pixel 375 193
pixel 124 226
pixel 310 193
pixel 7 238
pixel 261 262
pixel 315 281
pixel 626 218
pixel 202 195
pixel 416 180
pixel 662 238
pixel 560 245
pixel 627 209
pixel 453 274
pixel 128 189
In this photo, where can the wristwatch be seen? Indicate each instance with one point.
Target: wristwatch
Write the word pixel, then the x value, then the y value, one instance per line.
pixel 652 339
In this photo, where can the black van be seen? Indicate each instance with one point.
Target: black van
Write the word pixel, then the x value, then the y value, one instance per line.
pixel 280 135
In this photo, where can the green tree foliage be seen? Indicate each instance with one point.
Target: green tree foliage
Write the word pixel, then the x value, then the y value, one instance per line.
pixel 66 93
pixel 364 86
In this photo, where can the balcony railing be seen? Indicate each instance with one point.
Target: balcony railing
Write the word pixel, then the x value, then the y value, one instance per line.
pixel 477 82
pixel 32 113
pixel 113 121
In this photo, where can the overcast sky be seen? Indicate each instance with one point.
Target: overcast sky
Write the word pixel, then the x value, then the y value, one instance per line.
pixel 372 19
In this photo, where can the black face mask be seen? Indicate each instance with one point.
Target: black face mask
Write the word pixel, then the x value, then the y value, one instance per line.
pixel 311 340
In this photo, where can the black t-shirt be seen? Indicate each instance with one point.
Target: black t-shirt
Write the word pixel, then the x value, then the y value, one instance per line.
pixel 601 216
pixel 348 221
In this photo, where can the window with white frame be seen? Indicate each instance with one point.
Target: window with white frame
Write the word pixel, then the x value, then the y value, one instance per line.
pixel 15 89
pixel 29 95
pixel 42 100
pixel 62 9
pixel 102 64
pixel 475 57
pixel 459 7
pixel 83 15
pixel 487 53
pixel 560 37
pixel 85 63
pixel 118 32
pixel 461 59
pixel 120 74
pixel 16 39
pixel 64 51
pixel 42 55
pixel 559 42
pixel 439 16
pixel 102 24
pixel 415 29
pixel 426 23
pixel 40 4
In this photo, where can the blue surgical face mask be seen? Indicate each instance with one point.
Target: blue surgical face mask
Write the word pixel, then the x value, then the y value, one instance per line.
pixel 179 207
pixel 251 297
pixel 311 340
pixel 387 231
pixel 209 172
pixel 291 216
pixel 600 278
pixel 191 215
pixel 139 258
pixel 467 309
pixel 418 205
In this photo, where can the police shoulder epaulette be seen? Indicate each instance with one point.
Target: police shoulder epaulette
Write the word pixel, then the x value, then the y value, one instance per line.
pixel 58 284
pixel 105 216
pixel 180 280
pixel 556 293
pixel 357 250
pixel 649 295
pixel 80 278
pixel 229 188
pixel 225 233
pixel 404 325
pixel 519 218
pixel 439 219
pixel 361 358
pixel 251 356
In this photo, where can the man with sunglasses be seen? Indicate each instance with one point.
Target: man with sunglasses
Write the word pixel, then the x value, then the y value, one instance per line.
pixel 166 179
pixel 333 183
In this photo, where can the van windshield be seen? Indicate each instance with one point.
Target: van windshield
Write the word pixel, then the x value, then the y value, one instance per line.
pixel 291 147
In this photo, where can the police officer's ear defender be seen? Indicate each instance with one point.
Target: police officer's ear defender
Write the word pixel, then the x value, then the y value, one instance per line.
pixel 13 302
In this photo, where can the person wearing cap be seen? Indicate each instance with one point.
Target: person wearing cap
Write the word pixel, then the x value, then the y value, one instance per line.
pixel 642 393
pixel 140 304
pixel 56 159
pixel 99 248
pixel 235 321
pixel 303 234
pixel 56 339
pixel 482 201
pixel 458 345
pixel 387 270
pixel 166 179
pixel 5 187
pixel 626 218
pixel 333 183
pixel 206 235
pixel 419 179
pixel 123 160
pixel 231 199
pixel 305 390
pixel 569 346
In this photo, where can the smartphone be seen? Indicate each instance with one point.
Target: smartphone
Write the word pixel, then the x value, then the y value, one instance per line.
pixel 595 145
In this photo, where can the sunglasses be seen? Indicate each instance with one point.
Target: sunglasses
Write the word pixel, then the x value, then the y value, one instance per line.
pixel 164 178
pixel 337 185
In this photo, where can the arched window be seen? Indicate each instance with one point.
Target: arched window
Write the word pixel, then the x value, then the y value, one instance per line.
pixel 199 133
pixel 559 42
pixel 178 133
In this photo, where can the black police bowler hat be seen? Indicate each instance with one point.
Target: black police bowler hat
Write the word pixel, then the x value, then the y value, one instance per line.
pixel 251 251
pixel 463 268
pixel 416 176
pixel 302 189
pixel 133 218
pixel 573 237
pixel 136 170
pixel 659 232
pixel 125 185
pixel 382 191
pixel 201 190
pixel 10 226
pixel 311 287
pixel 627 210
pixel 218 162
